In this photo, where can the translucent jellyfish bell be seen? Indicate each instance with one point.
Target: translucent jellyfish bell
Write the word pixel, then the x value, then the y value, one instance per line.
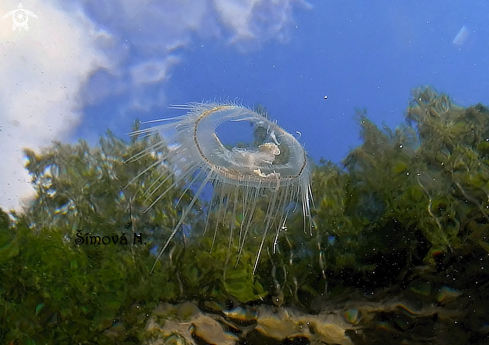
pixel 274 168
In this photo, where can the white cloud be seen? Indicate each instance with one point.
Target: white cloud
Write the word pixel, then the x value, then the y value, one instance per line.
pixel 258 20
pixel 42 70
pixel 152 71
pixel 157 32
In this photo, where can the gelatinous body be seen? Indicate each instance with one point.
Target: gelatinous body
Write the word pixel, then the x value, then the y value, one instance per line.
pixel 274 169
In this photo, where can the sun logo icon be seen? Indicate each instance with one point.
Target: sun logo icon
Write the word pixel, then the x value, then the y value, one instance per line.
pixel 20 17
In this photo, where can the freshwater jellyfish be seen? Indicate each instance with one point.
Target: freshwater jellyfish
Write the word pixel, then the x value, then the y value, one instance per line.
pixel 274 170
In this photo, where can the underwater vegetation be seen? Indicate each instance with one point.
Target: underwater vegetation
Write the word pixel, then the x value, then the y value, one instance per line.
pixel 398 253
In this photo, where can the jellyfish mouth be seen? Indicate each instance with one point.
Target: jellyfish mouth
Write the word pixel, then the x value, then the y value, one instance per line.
pixel 247 161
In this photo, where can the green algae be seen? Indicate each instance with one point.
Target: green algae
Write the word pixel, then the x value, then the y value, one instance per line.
pixel 407 214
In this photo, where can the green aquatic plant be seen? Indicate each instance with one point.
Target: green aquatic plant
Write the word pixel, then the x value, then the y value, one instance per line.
pixel 431 181
pixel 62 280
pixel 453 140
pixel 85 188
pixel 407 215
